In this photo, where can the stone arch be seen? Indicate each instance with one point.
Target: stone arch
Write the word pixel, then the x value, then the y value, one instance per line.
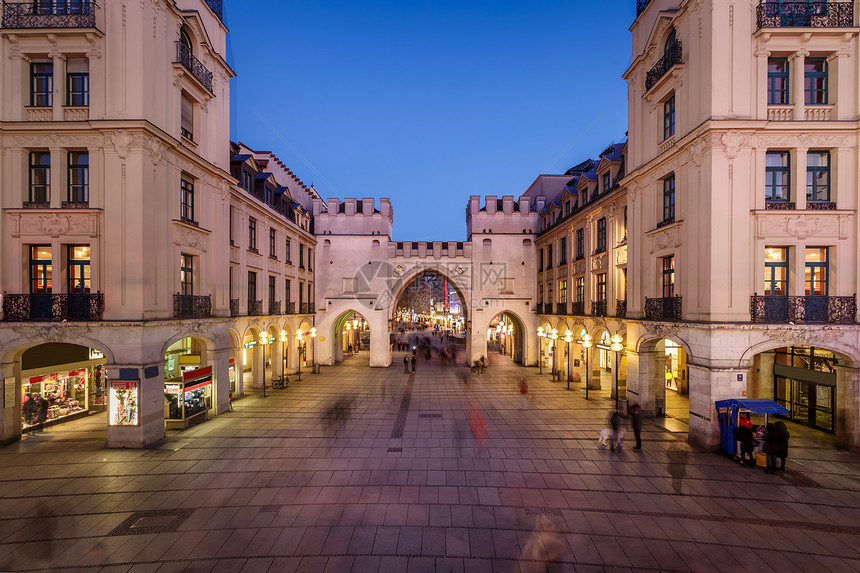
pixel 848 352
pixel 520 335
pixel 17 349
pixel 419 270
pixel 338 338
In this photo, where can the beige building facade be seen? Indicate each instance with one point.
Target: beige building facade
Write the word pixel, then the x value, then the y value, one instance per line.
pixel 119 273
pixel 742 194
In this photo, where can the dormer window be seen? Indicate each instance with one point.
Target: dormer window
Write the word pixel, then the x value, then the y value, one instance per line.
pixel 606 182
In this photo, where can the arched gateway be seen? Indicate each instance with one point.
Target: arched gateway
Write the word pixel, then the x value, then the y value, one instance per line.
pixel 360 269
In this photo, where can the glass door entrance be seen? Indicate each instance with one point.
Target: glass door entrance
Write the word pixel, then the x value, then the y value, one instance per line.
pixel 808 403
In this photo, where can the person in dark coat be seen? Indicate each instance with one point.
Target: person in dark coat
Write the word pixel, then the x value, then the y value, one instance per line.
pixel 406 364
pixel 28 407
pixel 636 423
pixel 782 437
pixel 744 435
pixel 771 447
pixel 41 408
pixel 414 362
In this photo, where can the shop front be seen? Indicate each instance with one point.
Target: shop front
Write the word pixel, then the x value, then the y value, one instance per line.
pixel 188 400
pixel 53 393
pixel 805 384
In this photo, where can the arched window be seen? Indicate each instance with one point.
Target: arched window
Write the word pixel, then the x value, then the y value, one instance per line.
pixel 185 40
pixel 670 42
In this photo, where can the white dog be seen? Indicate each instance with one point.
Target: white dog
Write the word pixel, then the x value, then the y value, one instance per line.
pixel 606 436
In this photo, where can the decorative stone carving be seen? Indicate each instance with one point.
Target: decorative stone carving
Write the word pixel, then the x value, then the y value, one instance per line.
pixel 600 261
pixel 621 255
pixel 804 336
pixel 661 330
pixel 121 141
pixel 189 237
pixel 822 225
pixel 400 269
pixel 54 140
pixel 666 238
pixel 579 267
pixel 804 140
pixel 57 333
pixel 53 224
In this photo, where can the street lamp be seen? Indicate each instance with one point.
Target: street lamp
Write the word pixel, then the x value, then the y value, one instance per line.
pixel 299 338
pixel 313 335
pixel 357 339
pixel 586 343
pixel 568 337
pixel 554 338
pixel 264 340
pixel 510 337
pixel 540 334
pixel 616 347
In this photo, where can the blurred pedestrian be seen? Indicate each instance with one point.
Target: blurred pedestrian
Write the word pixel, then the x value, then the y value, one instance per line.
pixel 616 422
pixel 414 361
pixel 41 408
pixel 524 393
pixel 677 458
pixel 744 437
pixel 771 447
pixel 636 423
pixel 406 364
pixel 782 436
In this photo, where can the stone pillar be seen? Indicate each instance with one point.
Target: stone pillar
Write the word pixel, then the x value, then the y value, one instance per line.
pixel 594 367
pixel 10 418
pixel 798 178
pixel 257 366
pixel 796 89
pixel 761 91
pixel 380 350
pixel 645 379
pixel 847 403
pixel 761 383
pixel 708 385
pixel 59 88
pixel 148 381
pixel 219 361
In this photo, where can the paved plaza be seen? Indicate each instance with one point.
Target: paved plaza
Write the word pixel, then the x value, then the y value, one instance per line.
pixel 404 481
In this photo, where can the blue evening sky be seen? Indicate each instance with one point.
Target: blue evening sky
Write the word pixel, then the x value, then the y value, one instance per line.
pixel 428 102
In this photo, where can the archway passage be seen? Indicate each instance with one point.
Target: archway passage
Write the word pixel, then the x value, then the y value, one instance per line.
pixel 664 365
pixel 506 336
pixel 57 383
pixel 430 320
pixel 351 338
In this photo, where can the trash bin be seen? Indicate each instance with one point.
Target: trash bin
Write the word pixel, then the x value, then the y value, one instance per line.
pixel 658 407
pixel 316 368
pixel 622 406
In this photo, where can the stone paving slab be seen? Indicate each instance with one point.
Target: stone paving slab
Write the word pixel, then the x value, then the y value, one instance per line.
pixel 406 485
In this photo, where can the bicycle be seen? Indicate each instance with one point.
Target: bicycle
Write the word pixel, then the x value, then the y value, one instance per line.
pixel 280 382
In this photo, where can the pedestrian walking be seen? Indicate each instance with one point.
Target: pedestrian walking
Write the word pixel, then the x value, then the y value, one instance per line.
pixel 783 437
pixel 406 365
pixel 41 412
pixel 524 393
pixel 677 459
pixel 771 447
pixel 414 361
pixel 636 423
pixel 616 422
pixel 29 408
pixel 744 436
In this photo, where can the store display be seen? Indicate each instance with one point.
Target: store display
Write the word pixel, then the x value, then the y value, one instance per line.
pixel 190 397
pixel 65 392
pixel 123 403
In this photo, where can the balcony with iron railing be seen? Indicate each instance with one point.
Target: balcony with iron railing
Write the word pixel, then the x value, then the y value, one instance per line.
pixel 192 306
pixel 234 307
pixel 49 307
pixel 598 308
pixel 561 308
pixel 185 57
pixel 49 14
pixel 666 308
pixel 539 308
pixel 274 307
pixel 305 308
pixel 578 308
pixel 674 55
pixel 805 309
pixel 255 307
pixel 805 14
pixel 620 308
pixel 291 308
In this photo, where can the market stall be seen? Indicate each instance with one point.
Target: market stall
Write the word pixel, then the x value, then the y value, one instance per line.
pixel 733 411
pixel 188 399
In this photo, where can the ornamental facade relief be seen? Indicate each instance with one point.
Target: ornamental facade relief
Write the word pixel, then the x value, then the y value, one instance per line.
pixel 81 223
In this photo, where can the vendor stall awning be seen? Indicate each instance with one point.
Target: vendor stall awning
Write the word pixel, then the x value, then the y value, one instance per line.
pixel 754 405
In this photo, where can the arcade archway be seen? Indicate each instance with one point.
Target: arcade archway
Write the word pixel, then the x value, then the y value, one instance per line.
pixel 506 335
pixel 351 337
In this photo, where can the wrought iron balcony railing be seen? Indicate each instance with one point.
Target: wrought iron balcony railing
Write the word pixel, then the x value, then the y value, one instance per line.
pixel 539 308
pixel 234 307
pixel 578 308
pixel 50 14
pixel 305 308
pixel 291 308
pixel 192 306
pixel 193 65
pixel 83 307
pixel 274 307
pixel 255 307
pixel 805 14
pixel 217 6
pixel 820 205
pixel 779 205
pixel 674 55
pixel 598 308
pixel 561 308
pixel 832 309
pixel 667 308
pixel 620 309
